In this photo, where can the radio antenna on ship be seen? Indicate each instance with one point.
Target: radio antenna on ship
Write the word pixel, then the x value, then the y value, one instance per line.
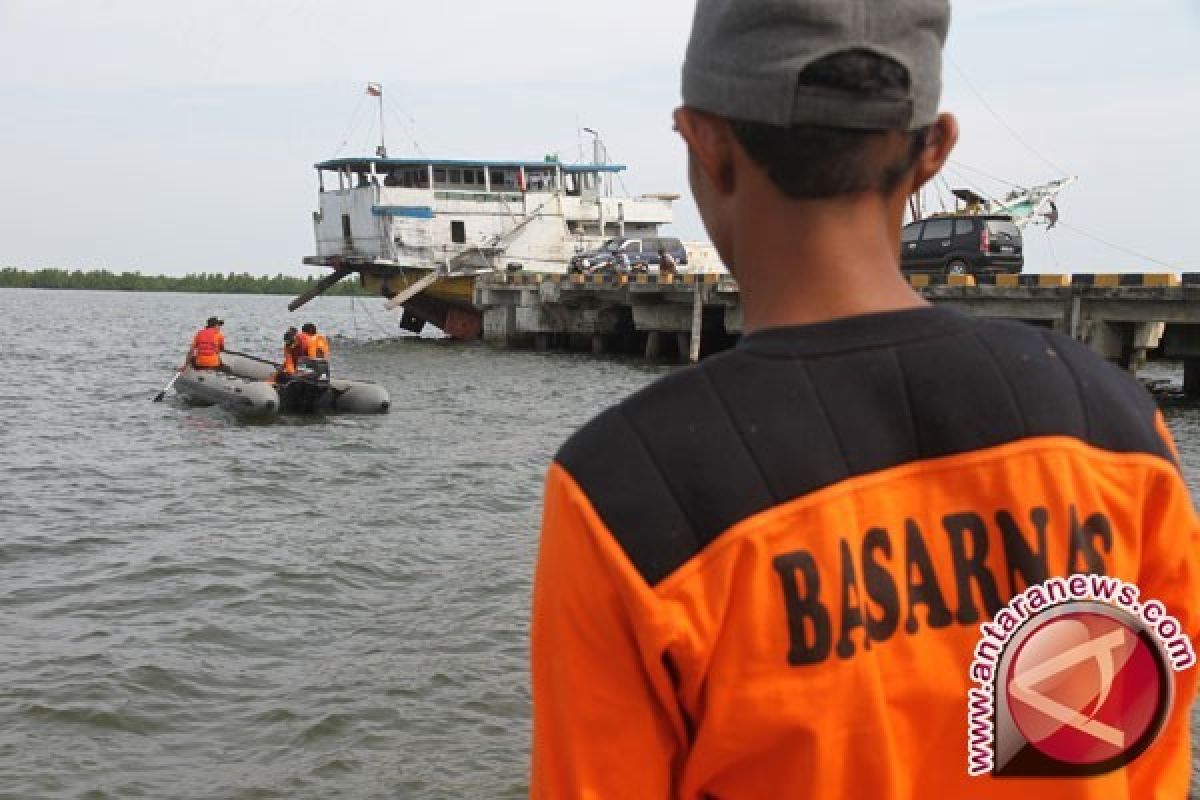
pixel 600 155
pixel 376 90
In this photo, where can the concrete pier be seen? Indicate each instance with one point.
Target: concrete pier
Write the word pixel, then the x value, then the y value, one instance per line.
pixel 1126 318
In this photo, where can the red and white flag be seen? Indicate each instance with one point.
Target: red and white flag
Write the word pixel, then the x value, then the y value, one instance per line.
pixel 375 89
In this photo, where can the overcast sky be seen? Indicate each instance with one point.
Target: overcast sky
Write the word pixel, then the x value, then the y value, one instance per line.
pixel 170 136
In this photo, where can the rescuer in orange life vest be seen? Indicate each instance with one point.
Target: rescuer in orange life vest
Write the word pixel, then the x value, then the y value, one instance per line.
pixel 315 350
pixel 317 346
pixel 765 576
pixel 293 350
pixel 206 347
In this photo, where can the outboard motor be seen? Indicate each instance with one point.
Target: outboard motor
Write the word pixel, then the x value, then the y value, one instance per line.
pixel 302 394
pixel 317 368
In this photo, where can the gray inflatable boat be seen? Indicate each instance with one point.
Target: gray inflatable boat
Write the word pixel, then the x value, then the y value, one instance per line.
pixel 240 395
pixel 248 379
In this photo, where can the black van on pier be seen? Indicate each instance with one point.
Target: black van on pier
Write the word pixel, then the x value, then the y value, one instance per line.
pixel 962 244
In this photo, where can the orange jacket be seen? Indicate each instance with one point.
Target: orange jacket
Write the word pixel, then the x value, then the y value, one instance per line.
pixel 316 346
pixel 206 348
pixel 289 360
pixel 764 576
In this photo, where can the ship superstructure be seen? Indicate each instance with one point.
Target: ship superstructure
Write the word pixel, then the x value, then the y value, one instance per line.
pixel 440 222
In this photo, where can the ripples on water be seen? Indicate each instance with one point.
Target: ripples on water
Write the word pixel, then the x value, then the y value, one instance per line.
pixel 196 607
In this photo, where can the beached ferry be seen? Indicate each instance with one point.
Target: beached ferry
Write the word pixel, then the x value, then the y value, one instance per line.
pixel 419 230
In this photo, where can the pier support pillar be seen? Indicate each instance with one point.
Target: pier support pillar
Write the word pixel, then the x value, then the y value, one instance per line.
pixel 499 325
pixel 1126 343
pixel 683 344
pixel 541 342
pixel 653 345
pixel 1182 342
pixel 1072 320
pixel 1146 337
pixel 697 324
pixel 1107 339
pixel 598 345
pixel 1191 377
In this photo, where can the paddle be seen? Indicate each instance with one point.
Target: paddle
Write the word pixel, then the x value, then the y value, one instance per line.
pixel 253 358
pixel 159 397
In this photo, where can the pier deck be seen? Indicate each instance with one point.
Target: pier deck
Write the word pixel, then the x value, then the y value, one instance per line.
pixel 1124 317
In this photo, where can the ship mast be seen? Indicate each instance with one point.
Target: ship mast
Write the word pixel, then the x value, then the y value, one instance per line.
pixel 376 90
pixel 600 158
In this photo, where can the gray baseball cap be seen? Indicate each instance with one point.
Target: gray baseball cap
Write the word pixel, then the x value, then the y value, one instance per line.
pixel 745 55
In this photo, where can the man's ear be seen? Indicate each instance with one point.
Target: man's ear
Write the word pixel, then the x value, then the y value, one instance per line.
pixel 711 142
pixel 942 137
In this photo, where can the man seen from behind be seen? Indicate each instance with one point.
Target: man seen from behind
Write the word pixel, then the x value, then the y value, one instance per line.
pixel 764 576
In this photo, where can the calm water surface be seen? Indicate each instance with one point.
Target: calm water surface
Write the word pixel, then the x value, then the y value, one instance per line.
pixel 193 607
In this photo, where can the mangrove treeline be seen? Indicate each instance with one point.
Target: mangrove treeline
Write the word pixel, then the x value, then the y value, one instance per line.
pixel 210 282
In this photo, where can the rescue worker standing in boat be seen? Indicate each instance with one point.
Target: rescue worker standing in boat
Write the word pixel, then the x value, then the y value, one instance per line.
pixel 206 347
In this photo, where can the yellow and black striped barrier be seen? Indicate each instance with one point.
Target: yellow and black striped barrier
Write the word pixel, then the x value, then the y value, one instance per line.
pixel 1117 280
pixel 1044 280
pixel 1098 280
pixel 528 278
pixel 637 278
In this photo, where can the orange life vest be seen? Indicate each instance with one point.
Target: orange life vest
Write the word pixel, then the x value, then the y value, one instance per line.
pixel 316 346
pixel 289 360
pixel 803 609
pixel 206 348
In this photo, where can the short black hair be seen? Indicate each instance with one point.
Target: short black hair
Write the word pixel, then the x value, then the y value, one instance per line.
pixel 811 162
pixel 309 328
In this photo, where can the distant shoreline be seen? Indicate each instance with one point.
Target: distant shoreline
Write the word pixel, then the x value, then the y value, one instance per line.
pixel 202 283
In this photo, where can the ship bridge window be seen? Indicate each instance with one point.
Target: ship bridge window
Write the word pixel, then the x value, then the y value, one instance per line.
pixel 540 180
pixel 457 177
pixel 410 178
pixel 504 179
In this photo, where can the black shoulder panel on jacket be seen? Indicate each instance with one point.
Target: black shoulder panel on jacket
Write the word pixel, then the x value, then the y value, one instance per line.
pixel 789 412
